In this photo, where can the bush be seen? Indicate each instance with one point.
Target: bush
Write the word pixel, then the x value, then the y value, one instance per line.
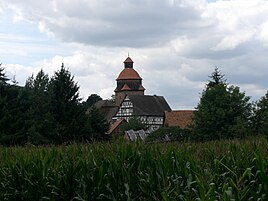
pixel 169 134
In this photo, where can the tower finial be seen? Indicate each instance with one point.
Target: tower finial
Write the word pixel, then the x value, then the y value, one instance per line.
pixel 128 54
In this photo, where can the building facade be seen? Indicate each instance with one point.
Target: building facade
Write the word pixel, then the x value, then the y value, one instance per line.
pixel 131 102
pixel 150 110
pixel 128 82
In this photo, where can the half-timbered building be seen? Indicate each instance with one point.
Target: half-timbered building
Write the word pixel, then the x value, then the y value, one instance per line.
pixel 130 102
pixel 150 110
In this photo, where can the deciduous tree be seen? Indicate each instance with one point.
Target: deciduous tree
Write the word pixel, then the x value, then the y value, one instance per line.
pixel 91 100
pixel 261 116
pixel 223 111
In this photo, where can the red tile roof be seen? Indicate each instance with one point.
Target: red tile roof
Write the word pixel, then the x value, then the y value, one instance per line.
pixel 180 118
pixel 125 88
pixel 115 125
pixel 141 88
pixel 129 74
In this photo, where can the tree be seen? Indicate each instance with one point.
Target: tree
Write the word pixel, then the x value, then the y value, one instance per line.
pixel 134 123
pixel 40 118
pixel 12 111
pixel 3 78
pixel 223 111
pixel 217 78
pixel 261 116
pixel 112 99
pixel 46 111
pixel 169 133
pixel 91 100
pixel 98 124
pixel 64 94
pixel 14 119
pixel 3 91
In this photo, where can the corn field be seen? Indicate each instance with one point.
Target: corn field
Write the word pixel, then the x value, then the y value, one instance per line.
pixel 223 170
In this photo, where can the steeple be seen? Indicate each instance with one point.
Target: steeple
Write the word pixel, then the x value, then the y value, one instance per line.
pixel 128 62
pixel 128 81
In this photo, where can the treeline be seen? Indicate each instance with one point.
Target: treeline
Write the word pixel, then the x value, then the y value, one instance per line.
pixel 224 112
pixel 46 110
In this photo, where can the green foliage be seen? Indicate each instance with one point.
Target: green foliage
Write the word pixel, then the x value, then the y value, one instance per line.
pixel 223 112
pixel 261 116
pixel 217 78
pixel 220 170
pixel 112 99
pixel 169 133
pixel 64 95
pixel 13 120
pixel 3 77
pixel 64 107
pixel 97 122
pixel 91 100
pixel 133 123
pixel 46 111
pixel 41 119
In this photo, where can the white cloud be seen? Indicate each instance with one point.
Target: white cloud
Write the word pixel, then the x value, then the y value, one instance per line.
pixel 116 23
pixel 238 21
pixel 175 44
pixel 263 34
pixel 232 41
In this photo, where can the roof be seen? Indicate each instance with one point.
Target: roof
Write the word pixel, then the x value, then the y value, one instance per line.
pixel 180 118
pixel 115 125
pixel 141 88
pixel 108 109
pixel 128 60
pixel 125 88
pixel 149 105
pixel 128 74
pixel 104 103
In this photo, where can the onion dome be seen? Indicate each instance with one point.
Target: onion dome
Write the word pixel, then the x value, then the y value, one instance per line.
pixel 128 73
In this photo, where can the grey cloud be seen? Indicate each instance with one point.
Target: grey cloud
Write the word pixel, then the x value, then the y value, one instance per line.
pixel 175 46
pixel 116 23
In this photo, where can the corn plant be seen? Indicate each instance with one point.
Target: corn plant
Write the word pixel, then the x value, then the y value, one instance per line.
pixel 220 170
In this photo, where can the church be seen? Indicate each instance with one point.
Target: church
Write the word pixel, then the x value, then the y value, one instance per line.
pixel 131 102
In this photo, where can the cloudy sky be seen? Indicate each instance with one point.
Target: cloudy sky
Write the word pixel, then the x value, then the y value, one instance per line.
pixel 175 44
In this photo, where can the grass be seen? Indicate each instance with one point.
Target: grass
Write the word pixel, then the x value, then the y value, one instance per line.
pixel 221 170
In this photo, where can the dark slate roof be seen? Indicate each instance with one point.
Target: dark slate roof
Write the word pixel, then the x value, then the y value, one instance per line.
pixel 149 105
pixel 104 103
pixel 107 108
pixel 128 60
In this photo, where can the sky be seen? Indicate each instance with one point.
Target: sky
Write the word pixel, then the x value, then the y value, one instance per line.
pixel 175 44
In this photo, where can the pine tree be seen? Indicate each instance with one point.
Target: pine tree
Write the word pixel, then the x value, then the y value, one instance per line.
pixel 3 78
pixel 40 119
pixel 223 111
pixel 64 105
pixel 217 78
pixel 98 124
pixel 14 122
pixel 261 116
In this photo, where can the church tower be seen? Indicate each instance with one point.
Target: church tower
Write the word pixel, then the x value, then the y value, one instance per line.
pixel 129 82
